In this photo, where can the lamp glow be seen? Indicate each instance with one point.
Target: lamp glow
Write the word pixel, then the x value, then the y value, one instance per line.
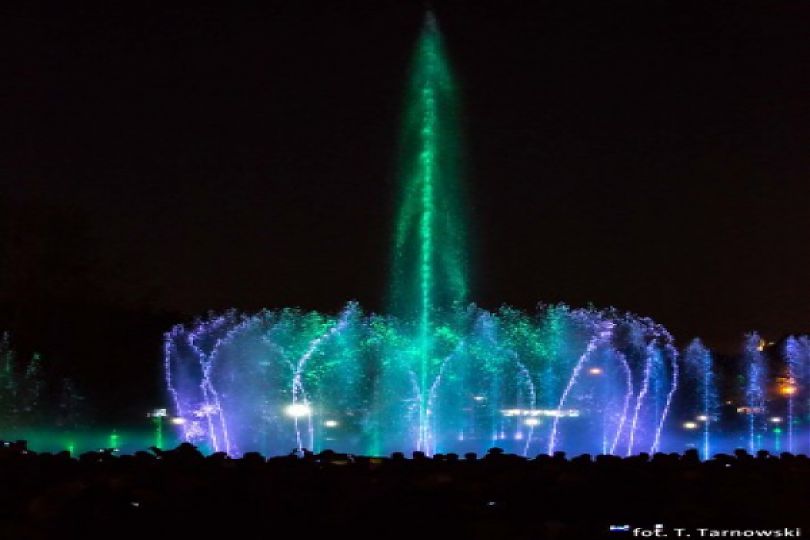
pixel 297 410
pixel 787 390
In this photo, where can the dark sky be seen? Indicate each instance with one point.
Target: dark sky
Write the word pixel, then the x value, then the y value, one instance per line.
pixel 156 162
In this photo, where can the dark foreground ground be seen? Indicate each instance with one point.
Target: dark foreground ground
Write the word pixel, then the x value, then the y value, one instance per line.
pixel 181 494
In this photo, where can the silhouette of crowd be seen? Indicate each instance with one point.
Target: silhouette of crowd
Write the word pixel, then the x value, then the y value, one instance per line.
pixel 181 493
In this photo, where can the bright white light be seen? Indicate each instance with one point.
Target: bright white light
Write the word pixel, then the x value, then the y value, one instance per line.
pixel 178 421
pixel 690 425
pixel 595 371
pixel 776 419
pixel 331 423
pixel 750 410
pixel 297 410
pixel 157 413
pixel 479 398
pixel 703 418
pixel 540 412
pixel 532 422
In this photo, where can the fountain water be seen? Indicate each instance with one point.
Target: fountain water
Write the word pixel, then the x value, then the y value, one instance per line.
pixel 437 374
pixel 700 368
pixel 428 269
pixel 286 379
pixel 754 389
pixel 797 362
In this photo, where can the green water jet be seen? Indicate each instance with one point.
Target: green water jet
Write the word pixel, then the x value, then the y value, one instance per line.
pixel 429 267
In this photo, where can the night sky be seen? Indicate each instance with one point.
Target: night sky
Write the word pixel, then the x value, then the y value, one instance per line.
pixel 158 162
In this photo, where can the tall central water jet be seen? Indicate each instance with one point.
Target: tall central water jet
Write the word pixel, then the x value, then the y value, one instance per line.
pixel 428 274
pixel 429 267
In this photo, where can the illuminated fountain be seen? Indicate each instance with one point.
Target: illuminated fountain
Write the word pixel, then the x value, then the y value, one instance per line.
pixel 437 373
pixel 700 369
pixel 573 379
pixel 797 362
pixel 754 390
